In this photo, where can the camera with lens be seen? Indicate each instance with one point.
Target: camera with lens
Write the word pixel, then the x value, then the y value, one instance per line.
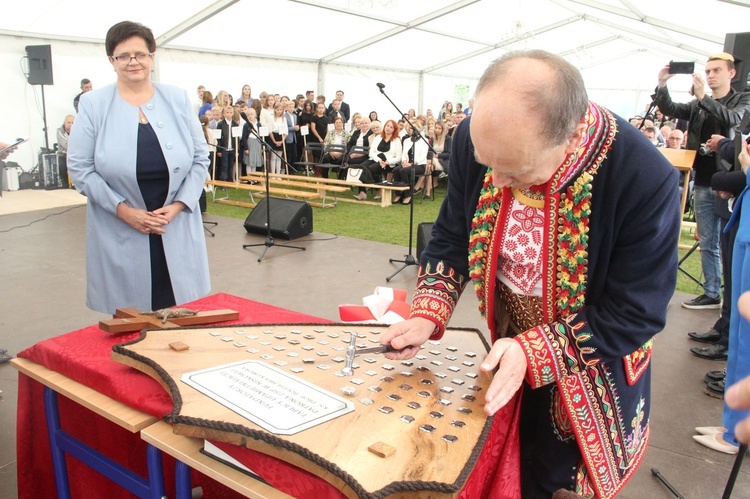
pixel 704 150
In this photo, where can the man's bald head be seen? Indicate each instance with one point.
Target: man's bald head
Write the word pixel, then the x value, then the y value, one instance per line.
pixel 551 87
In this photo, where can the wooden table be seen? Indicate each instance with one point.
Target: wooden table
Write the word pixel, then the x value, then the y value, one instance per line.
pixel 63 443
pixel 187 451
pixel 683 160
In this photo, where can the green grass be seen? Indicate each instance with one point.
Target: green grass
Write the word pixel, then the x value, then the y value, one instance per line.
pixel 391 225
pixel 360 221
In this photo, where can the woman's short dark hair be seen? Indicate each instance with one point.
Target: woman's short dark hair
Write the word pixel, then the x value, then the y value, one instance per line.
pixel 128 29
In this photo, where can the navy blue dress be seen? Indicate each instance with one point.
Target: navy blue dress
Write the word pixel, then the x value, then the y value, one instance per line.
pixel 153 180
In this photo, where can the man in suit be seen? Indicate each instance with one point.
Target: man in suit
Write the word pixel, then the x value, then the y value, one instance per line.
pixel 334 111
pixel 343 107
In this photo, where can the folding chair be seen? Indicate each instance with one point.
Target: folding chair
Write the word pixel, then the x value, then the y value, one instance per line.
pixel 310 152
pixel 327 163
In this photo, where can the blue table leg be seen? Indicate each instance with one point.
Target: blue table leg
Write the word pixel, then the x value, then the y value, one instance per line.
pixel 183 489
pixel 58 456
pixel 62 443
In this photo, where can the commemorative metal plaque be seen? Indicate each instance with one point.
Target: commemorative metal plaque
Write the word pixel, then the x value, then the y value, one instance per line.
pixel 278 401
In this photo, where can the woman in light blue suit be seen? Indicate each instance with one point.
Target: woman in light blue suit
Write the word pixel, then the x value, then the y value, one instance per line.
pixel 138 154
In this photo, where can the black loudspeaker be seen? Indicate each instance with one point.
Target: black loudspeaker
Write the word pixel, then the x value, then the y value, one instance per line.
pixel 290 219
pixel 738 44
pixel 424 235
pixel 40 64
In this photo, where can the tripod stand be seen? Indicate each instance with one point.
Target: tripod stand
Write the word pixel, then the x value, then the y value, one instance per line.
pixel 269 242
pixel 409 259
pixel 730 481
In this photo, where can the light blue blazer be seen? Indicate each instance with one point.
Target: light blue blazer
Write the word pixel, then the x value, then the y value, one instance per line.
pixel 101 161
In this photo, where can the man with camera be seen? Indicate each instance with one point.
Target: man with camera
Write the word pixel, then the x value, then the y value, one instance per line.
pixel 718 113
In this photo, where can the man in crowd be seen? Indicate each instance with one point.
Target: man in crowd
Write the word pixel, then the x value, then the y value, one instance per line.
pixel 334 111
pixel 708 114
pixel 86 86
pixel 343 106
pixel 650 132
pixel 549 198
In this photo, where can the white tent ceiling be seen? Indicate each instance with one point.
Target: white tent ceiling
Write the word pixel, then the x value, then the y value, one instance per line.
pixel 422 49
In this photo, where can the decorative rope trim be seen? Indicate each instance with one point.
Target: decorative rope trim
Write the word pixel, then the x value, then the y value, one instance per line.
pixel 392 488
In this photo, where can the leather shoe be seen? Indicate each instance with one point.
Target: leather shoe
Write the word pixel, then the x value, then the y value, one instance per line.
pixel 713 352
pixel 718 375
pixel 717 443
pixel 711 336
pixel 715 389
pixel 710 430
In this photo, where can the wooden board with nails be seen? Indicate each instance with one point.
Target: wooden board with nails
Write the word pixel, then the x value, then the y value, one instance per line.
pixel 428 408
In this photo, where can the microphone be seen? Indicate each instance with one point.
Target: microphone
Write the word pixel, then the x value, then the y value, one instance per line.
pixel 244 117
pixel 380 86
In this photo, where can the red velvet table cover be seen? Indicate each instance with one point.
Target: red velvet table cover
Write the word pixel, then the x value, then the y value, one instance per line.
pixel 84 356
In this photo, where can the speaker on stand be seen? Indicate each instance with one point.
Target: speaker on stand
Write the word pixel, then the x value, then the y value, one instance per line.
pixel 738 44
pixel 290 218
pixel 39 58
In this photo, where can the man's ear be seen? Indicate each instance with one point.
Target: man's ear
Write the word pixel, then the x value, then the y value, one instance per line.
pixel 576 139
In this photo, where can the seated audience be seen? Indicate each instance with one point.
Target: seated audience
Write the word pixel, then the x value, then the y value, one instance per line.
pixel 413 161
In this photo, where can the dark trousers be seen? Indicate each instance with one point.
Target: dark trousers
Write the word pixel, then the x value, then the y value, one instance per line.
pixel 548 463
pixel 726 246
pixel 226 169
pixel 407 175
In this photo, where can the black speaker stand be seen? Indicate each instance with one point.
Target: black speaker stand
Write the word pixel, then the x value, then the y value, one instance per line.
pixel 269 238
pixel 212 224
pixel 409 259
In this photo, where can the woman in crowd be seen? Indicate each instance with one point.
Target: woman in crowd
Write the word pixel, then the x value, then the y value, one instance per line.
pixel 336 137
pixel 413 161
pixel 211 141
pixel 207 105
pixel 373 116
pixel 354 122
pixel 276 137
pixel 385 153
pixel 245 95
pixel 441 143
pixel 222 99
pixel 252 154
pixel 305 119
pixel 446 111
pixel 145 246
pixel 359 138
pixel 318 129
pixel 63 134
pixel 266 114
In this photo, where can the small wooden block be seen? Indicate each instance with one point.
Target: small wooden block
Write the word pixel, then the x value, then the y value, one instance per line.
pixel 178 346
pixel 382 449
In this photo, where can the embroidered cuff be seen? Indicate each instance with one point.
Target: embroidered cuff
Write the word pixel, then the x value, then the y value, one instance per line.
pixel 554 351
pixel 436 295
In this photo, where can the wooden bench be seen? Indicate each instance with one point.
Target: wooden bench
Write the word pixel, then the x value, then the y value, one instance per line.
pixel 295 181
pixel 259 189
pixel 324 183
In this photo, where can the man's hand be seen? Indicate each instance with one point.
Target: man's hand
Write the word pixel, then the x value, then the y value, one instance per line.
pixel 713 142
pixel 745 157
pixel 509 356
pixel 407 336
pixel 4 155
pixel 664 75
pixel 699 86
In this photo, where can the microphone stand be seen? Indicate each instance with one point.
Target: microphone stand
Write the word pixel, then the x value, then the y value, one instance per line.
pixel 269 242
pixel 409 259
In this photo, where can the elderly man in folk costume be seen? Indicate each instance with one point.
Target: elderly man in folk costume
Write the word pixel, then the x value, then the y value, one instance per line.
pixel 570 220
